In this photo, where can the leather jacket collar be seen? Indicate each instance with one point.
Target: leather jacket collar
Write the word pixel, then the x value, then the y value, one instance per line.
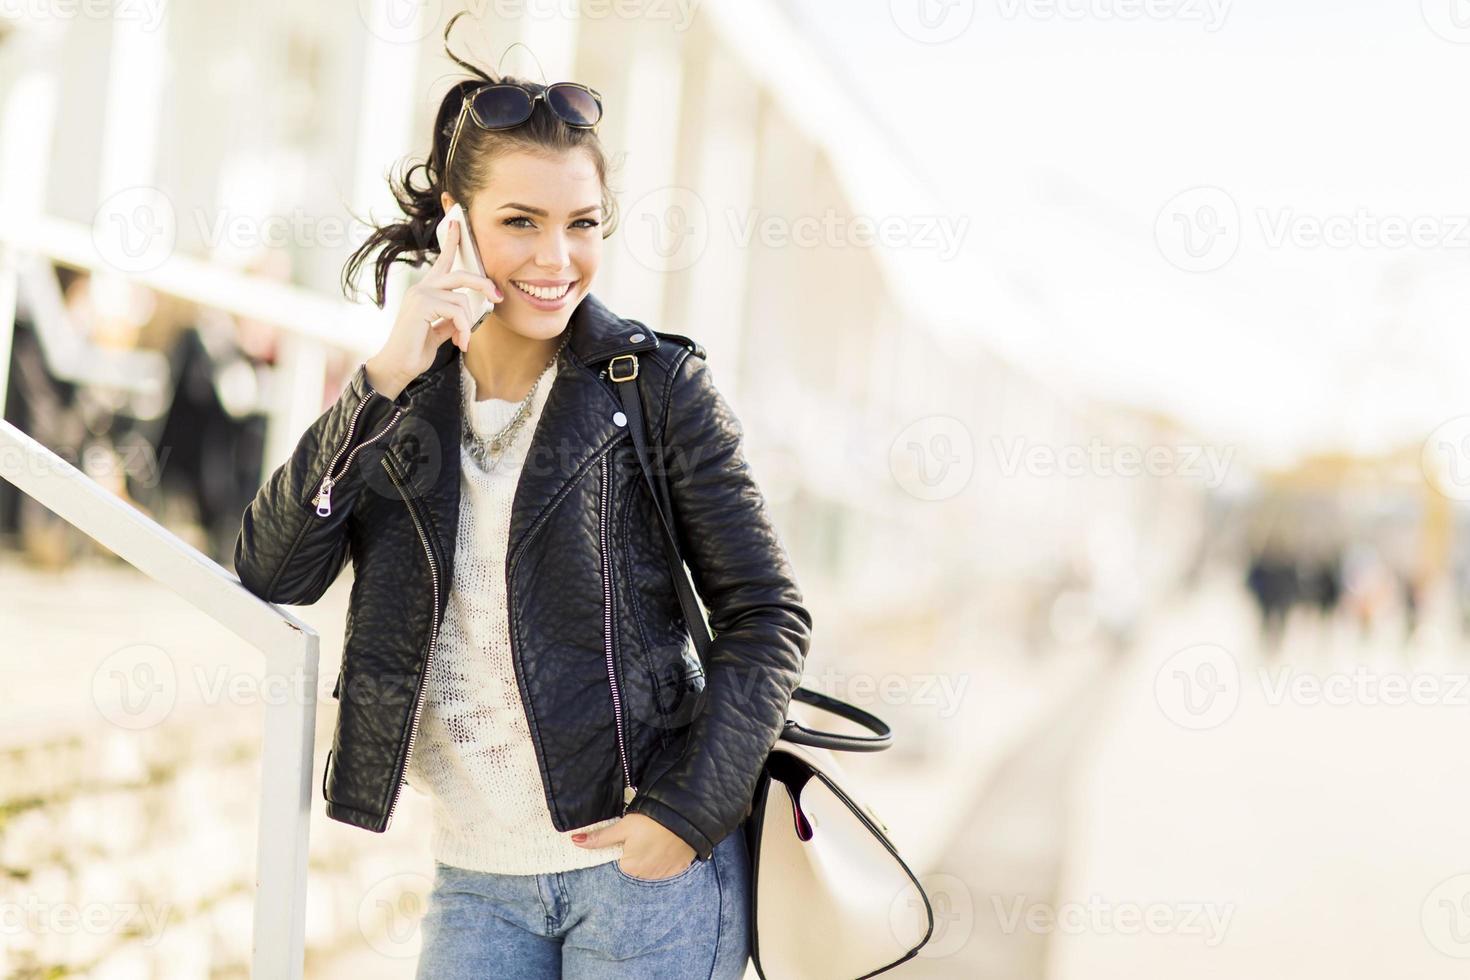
pixel 581 416
pixel 597 334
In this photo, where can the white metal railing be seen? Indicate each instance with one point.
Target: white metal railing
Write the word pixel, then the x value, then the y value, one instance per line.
pixel 303 312
pixel 291 650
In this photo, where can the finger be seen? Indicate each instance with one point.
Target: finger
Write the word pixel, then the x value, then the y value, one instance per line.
pixel 459 300
pixel 463 277
pixel 437 297
pixel 461 330
pixel 451 312
pixel 466 304
pixel 602 836
pixel 446 254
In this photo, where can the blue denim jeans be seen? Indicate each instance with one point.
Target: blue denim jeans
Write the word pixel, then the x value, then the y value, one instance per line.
pixel 596 923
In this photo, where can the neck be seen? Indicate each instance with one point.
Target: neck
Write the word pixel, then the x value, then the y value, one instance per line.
pixel 506 364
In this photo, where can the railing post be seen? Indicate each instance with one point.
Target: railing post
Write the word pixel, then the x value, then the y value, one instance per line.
pixel 279 945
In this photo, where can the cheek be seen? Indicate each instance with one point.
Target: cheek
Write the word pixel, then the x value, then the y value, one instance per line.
pixel 504 253
pixel 587 255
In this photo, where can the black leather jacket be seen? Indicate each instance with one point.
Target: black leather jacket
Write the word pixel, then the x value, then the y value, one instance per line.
pixel 622 716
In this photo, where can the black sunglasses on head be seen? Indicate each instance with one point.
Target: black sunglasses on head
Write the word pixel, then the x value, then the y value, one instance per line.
pixel 504 105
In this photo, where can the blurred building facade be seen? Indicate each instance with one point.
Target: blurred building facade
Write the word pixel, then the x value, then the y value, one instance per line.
pixel 944 508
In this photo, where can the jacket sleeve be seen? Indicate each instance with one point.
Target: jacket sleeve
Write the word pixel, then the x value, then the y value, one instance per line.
pixel 293 540
pixel 701 787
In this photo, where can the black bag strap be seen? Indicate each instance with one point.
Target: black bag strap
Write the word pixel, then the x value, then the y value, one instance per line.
pixel 633 408
pixel 623 370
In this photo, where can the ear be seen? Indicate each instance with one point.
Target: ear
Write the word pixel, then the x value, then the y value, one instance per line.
pixel 446 201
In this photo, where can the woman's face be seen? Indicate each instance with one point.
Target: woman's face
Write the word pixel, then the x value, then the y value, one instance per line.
pixel 538 226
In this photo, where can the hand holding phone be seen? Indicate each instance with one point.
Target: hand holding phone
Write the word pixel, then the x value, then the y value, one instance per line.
pixel 466 259
pixel 447 304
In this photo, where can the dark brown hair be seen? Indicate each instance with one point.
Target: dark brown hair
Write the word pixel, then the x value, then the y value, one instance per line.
pixel 413 240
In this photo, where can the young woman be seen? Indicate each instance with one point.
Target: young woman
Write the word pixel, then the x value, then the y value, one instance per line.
pixel 514 645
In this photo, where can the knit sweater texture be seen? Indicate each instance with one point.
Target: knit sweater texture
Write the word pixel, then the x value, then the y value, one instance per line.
pixel 473 754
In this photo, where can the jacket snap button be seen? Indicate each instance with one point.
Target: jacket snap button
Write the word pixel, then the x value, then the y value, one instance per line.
pixel 619 418
pixel 635 338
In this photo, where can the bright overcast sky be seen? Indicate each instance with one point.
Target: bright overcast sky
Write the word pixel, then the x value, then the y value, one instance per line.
pixel 1065 133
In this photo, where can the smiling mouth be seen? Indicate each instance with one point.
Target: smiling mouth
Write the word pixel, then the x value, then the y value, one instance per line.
pixel 545 293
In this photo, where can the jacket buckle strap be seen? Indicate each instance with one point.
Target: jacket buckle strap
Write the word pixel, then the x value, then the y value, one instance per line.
pixel 612 368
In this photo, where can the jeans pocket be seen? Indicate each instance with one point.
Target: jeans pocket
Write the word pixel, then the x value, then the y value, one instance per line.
pixel 680 876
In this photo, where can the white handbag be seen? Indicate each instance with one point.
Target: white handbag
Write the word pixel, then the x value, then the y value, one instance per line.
pixel 831 899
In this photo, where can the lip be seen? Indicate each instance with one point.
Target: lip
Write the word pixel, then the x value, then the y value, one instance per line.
pixel 543 304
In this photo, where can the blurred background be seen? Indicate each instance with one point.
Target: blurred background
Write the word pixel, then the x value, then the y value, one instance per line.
pixel 1118 433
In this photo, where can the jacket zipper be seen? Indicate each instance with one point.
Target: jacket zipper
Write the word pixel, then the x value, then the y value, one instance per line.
pixel 629 790
pixel 323 498
pixel 418 700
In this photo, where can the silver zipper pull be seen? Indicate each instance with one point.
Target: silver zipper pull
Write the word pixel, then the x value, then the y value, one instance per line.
pixel 628 795
pixel 324 498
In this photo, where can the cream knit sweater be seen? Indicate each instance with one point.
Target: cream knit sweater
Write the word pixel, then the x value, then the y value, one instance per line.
pixel 473 753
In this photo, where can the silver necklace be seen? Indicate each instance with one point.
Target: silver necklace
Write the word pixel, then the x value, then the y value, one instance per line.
pixel 488 452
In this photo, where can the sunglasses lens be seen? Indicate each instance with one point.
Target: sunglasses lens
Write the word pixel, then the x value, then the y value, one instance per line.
pixel 501 106
pixel 575 105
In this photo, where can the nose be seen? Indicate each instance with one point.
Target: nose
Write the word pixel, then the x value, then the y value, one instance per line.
pixel 552 253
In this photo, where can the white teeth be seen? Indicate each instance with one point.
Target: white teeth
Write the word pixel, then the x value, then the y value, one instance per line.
pixel 542 292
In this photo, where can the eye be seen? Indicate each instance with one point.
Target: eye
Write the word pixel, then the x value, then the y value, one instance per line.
pixel 511 222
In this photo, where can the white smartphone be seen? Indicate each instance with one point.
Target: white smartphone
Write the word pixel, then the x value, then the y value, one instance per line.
pixel 466 257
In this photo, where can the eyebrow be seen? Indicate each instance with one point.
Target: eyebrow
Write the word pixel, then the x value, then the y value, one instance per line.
pixel 541 212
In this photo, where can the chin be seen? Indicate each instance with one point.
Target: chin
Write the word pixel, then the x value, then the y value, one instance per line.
pixel 536 325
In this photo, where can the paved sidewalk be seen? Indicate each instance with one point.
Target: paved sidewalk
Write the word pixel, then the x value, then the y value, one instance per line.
pixel 1276 840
